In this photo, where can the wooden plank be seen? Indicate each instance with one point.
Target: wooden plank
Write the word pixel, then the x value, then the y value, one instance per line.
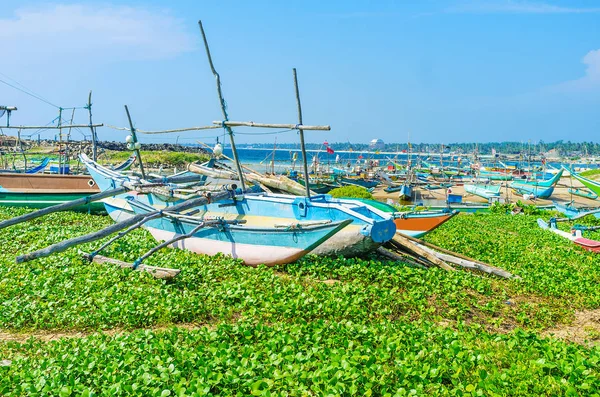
pixel 402 241
pixel 157 272
pixel 462 260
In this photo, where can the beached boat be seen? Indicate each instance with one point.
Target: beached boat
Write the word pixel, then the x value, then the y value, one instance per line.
pixel 271 244
pixel 495 175
pixel 594 186
pixel 574 236
pixel 363 182
pixel 419 223
pixel 413 223
pixel 406 192
pixel 583 193
pixel 370 227
pixel 34 170
pixel 572 212
pixel 539 189
pixel 42 190
pixel 486 191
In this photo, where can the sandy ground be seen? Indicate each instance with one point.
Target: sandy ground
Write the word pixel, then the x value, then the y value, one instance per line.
pixel 438 197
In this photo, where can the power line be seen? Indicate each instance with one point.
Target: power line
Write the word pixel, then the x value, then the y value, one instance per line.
pixel 30 94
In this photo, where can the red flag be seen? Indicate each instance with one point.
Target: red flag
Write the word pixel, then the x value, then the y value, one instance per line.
pixel 330 150
pixel 325 143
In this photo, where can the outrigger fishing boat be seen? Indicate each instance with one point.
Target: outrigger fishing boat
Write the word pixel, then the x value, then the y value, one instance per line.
pixel 570 211
pixel 575 235
pixel 413 223
pixel 43 190
pixel 538 189
pixel 594 186
pixel 34 170
pixel 370 227
pixel 583 193
pixel 485 191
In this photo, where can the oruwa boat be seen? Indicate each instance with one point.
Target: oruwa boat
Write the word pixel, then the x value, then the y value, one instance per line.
pixel 36 190
pixel 594 186
pixel 413 223
pixel 575 235
pixel 540 189
pixel 43 190
pixel 370 227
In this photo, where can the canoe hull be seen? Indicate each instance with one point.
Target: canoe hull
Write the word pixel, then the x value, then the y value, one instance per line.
pixel 405 192
pixel 417 225
pixel 41 191
pixel 44 200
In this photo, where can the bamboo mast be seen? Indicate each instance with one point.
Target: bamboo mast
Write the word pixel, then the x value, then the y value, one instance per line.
pixel 301 131
pixel 59 140
pixel 137 151
pixel 94 138
pixel 223 109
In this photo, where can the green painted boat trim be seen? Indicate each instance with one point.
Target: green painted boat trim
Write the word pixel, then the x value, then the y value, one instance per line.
pixel 44 200
pixel 377 204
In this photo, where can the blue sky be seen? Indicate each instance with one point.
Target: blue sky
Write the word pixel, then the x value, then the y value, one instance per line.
pixel 441 71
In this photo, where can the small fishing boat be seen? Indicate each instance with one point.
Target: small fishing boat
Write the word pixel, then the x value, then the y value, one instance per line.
pixel 369 229
pixel 574 236
pixel 594 186
pixel 393 188
pixel 583 193
pixel 485 191
pixel 271 244
pixel 495 175
pixel 43 190
pixel 413 223
pixel 572 212
pixel 406 192
pixel 125 165
pixel 363 182
pixel 418 223
pixel 539 189
pixel 34 170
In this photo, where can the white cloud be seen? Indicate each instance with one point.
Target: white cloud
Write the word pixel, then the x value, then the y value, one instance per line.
pixel 110 32
pixel 517 7
pixel 590 81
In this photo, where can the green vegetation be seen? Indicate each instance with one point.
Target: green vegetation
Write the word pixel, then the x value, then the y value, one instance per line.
pixel 155 158
pixel 519 206
pixel 351 192
pixel 321 326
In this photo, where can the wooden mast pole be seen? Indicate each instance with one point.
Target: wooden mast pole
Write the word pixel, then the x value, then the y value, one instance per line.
pixel 137 151
pixel 67 152
pixel 59 140
pixel 238 165
pixel 301 131
pixel 94 138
